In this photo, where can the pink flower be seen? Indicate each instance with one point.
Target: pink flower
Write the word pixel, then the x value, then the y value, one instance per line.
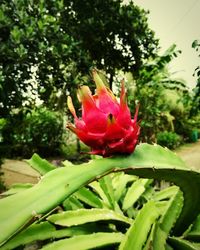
pixel 106 125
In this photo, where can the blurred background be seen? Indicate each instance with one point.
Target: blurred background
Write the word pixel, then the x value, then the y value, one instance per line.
pixel 48 48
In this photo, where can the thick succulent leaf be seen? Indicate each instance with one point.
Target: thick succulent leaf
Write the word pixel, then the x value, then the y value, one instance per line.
pixel 137 234
pixel 106 185
pixel 173 211
pixel 82 216
pixel 188 180
pixel 147 162
pixel 134 193
pixel 160 244
pixel 162 206
pixel 85 242
pixel 168 219
pixel 16 188
pixel 181 244
pixel 149 192
pixel 72 203
pixel 194 236
pixel 196 225
pixel 132 212
pixel 194 233
pixel 46 230
pixel 88 197
pixel 166 193
pixel 40 165
pixel 168 247
pixel 67 163
pixel 148 244
pixel 119 182
pixel 95 185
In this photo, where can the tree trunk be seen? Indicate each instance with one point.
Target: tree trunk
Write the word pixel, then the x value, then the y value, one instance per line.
pixel 78 146
pixel 111 81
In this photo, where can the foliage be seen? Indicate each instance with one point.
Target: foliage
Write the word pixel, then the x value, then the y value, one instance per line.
pixel 2 124
pixel 196 101
pixel 168 139
pixel 31 38
pixel 157 67
pixel 2 186
pixel 153 110
pixel 186 126
pixel 118 209
pixel 38 130
pixel 158 108
pixel 120 42
pixel 48 46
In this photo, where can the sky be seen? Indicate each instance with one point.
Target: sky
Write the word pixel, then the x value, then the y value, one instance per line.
pixel 176 21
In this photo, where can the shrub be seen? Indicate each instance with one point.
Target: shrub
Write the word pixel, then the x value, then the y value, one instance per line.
pixel 43 131
pixel 2 186
pixel 39 130
pixel 188 128
pixel 168 139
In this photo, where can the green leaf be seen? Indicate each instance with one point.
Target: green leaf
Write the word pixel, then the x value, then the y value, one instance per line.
pixel 17 187
pixel 40 165
pixel 173 211
pixel 84 242
pixel 165 193
pixel 148 244
pixel 162 206
pixel 106 185
pixel 72 203
pixel 16 34
pixel 46 230
pixel 120 181
pixel 194 233
pixel 181 244
pixel 134 193
pixel 147 162
pixel 81 216
pixel 137 234
pixel 95 185
pixel 168 219
pixel 187 179
pixel 149 192
pixel 88 197
pixel 160 244
pixel 67 163
pixel 168 247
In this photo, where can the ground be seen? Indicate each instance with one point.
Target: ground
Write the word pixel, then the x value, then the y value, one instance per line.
pixel 19 171
pixel 190 153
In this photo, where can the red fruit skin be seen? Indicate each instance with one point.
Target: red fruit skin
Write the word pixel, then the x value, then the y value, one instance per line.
pixel 106 125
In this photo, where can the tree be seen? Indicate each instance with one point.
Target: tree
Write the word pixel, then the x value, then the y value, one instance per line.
pixel 196 106
pixel 62 39
pixel 31 38
pixel 116 36
pixel 156 109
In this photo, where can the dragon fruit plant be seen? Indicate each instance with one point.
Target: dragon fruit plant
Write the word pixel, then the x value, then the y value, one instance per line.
pixel 110 202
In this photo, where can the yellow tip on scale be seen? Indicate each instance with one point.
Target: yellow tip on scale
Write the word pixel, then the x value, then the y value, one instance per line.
pixel 71 106
pixel 98 81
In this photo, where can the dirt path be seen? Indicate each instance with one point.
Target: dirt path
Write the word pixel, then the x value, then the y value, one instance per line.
pixel 190 153
pixel 15 171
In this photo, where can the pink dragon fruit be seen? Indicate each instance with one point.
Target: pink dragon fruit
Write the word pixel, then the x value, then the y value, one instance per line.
pixel 106 125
